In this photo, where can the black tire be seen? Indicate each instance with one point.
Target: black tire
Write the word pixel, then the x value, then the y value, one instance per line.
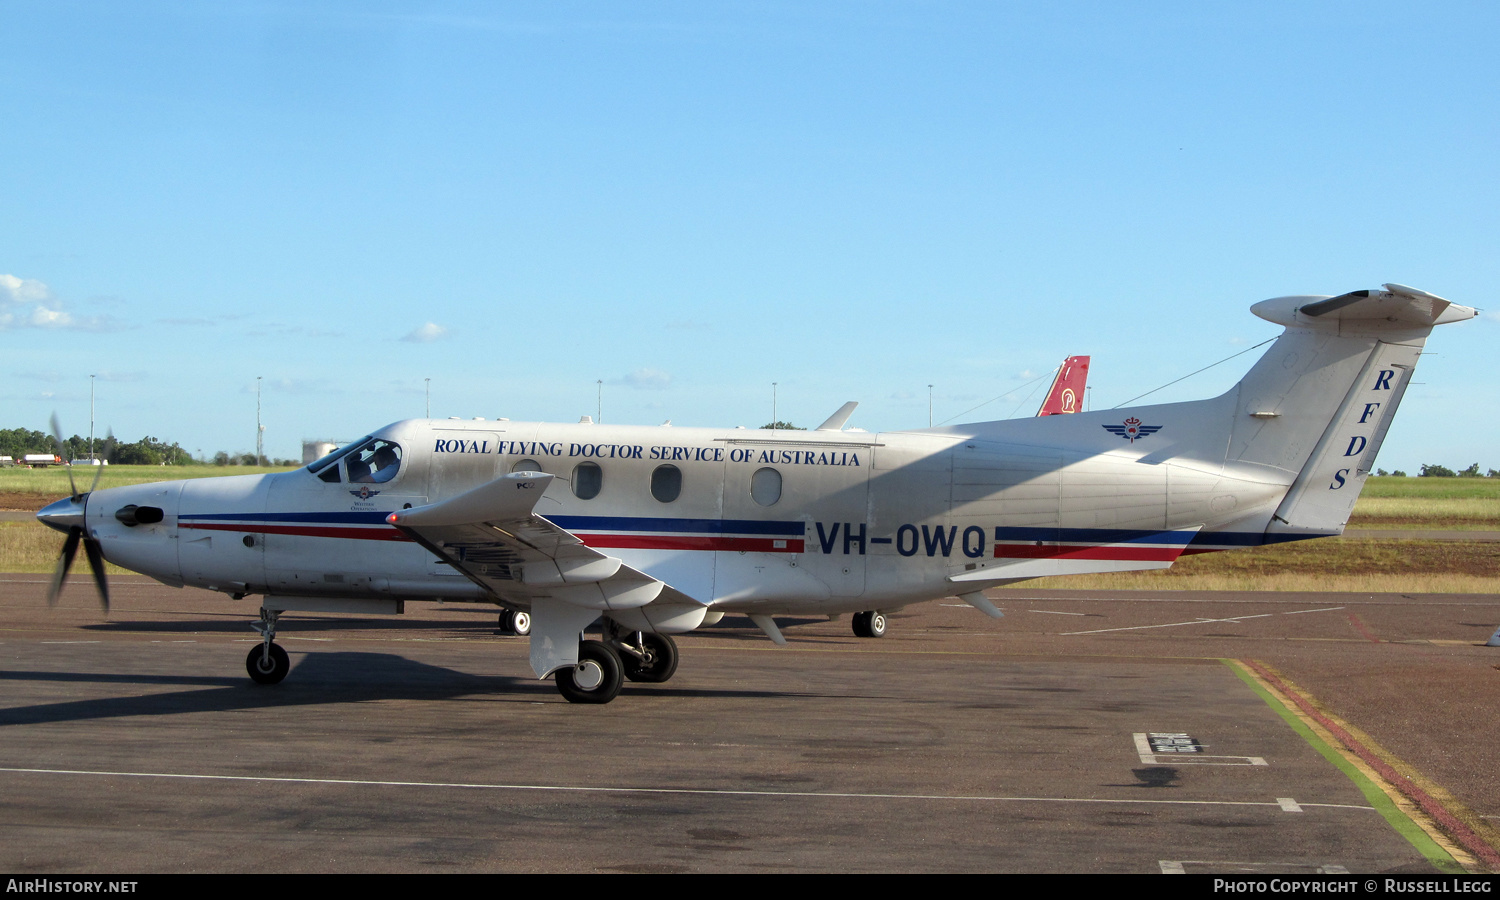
pixel 596 678
pixel 870 624
pixel 516 622
pixel 264 670
pixel 660 664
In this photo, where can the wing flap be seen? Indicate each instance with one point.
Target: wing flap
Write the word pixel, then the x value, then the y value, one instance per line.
pixel 492 535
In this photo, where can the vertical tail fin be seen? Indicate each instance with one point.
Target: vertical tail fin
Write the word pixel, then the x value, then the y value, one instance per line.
pixel 1319 403
pixel 1066 393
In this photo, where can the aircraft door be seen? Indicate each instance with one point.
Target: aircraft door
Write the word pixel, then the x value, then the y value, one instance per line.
pixel 326 530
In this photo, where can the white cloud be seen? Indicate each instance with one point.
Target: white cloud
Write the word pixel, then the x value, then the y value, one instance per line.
pixel 426 334
pixel 645 379
pixel 15 290
pixel 28 303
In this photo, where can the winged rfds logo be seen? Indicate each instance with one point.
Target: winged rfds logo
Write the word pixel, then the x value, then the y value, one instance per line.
pixel 364 492
pixel 1132 429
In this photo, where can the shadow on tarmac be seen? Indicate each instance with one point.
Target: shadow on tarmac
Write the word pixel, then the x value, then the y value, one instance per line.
pixel 319 678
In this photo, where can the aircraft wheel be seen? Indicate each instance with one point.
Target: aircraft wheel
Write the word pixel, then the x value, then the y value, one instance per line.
pixel 266 670
pixel 596 678
pixel 515 622
pixel 871 624
pixel 660 662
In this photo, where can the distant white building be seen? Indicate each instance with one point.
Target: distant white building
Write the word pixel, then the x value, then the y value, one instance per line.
pixel 316 450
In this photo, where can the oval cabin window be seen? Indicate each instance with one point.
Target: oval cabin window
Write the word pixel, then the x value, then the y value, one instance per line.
pixel 526 465
pixel 588 480
pixel 765 486
pixel 666 483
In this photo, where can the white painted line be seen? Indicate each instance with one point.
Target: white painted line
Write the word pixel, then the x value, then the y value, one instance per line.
pixel 1288 804
pixel 1298 612
pixel 1054 612
pixel 71 642
pixel 1168 625
pixel 718 792
pixel 1171 867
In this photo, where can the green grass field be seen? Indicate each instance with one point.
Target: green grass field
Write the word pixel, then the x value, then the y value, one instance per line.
pixel 53 480
pixel 1413 488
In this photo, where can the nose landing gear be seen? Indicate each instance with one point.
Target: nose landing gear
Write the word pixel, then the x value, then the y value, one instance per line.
pixel 268 663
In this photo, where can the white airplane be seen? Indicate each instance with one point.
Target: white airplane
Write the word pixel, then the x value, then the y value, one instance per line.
pixel 658 531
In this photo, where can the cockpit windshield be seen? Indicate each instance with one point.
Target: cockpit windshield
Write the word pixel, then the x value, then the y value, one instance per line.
pixel 369 460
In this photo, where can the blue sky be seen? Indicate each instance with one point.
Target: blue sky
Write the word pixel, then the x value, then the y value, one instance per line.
pixel 690 201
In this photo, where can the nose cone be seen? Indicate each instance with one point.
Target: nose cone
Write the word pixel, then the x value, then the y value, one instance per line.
pixel 64 515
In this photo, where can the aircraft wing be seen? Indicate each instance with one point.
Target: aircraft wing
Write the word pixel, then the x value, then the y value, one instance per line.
pixel 493 535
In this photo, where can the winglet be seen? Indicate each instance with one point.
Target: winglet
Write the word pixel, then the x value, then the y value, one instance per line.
pixel 836 421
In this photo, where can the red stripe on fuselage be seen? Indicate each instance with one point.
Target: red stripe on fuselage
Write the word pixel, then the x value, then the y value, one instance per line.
pixel 1031 551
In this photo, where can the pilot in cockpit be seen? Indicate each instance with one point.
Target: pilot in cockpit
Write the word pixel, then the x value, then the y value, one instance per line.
pixel 380 467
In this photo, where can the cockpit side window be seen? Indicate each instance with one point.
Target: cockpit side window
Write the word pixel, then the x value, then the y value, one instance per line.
pixel 326 468
pixel 376 461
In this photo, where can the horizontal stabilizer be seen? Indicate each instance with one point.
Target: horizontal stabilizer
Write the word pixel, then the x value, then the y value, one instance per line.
pixel 1397 308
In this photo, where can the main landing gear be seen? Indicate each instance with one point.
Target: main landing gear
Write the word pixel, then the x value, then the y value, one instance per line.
pixel 516 622
pixel 604 665
pixel 869 624
pixel 268 663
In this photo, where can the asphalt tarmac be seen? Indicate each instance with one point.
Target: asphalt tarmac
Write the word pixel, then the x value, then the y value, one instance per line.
pixel 134 742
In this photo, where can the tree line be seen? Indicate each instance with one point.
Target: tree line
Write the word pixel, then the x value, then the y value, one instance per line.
pixel 148 451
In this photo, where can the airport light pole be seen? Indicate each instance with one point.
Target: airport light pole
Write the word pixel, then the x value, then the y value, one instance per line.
pixel 929 406
pixel 260 430
pixel 429 396
pixel 91 418
pixel 773 406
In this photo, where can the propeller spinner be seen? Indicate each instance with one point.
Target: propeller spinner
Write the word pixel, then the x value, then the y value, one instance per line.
pixel 68 516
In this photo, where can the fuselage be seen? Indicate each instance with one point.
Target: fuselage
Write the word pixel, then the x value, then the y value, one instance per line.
pixel 749 520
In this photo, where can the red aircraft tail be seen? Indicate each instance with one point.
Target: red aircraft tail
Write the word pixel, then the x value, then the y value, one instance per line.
pixel 1066 394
